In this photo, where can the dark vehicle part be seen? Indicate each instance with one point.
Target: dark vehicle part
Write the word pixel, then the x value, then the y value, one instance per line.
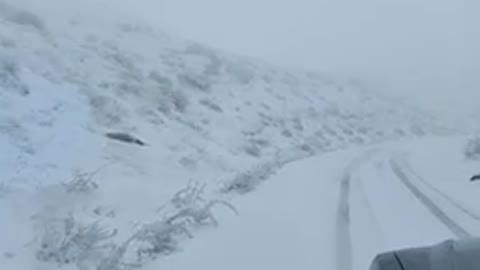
pixel 449 255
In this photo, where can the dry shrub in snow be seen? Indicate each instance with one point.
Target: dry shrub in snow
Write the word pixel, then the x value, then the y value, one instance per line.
pixel 90 246
pixel 9 76
pixel 193 207
pixel 173 100
pixel 163 81
pixel 159 238
pixel 247 181
pixel 189 210
pixel 107 111
pixel 67 241
pixel 82 182
pixel 192 81
pixel 472 150
pixel 211 105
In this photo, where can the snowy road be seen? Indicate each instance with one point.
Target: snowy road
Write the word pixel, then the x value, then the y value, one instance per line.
pixel 331 212
pixel 453 226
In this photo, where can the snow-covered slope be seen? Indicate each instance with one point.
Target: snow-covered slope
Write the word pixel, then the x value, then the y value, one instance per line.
pixel 205 117
pixel 66 82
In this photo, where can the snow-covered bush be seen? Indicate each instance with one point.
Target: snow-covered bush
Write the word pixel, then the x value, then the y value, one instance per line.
pixel 211 105
pixel 201 214
pixel 193 207
pixel 9 76
pixel 107 111
pixel 253 150
pixel 179 100
pixel 159 238
pixel 67 241
pixel 188 196
pixel 173 100
pixel 472 149
pixel 189 209
pixel 247 181
pixel 287 133
pixel 81 182
pixel 163 81
pixel 194 82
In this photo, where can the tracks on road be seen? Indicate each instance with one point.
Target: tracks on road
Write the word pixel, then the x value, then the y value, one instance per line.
pixel 343 237
pixel 406 167
pixel 344 255
pixel 454 227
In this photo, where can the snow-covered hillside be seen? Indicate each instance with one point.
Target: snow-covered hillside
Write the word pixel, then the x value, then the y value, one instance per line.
pixel 73 196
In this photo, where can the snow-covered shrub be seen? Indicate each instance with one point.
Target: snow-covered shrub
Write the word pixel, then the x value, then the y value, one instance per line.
pixel 247 181
pixel 262 142
pixel 298 125
pixel 81 182
pixel 188 196
pixel 287 133
pixel 417 130
pixel 67 241
pixel 211 105
pixel 195 82
pixel 173 100
pixel 307 148
pixel 163 81
pixel 190 209
pixel 179 100
pixel 159 238
pixel 253 150
pixel 472 149
pixel 202 213
pixel 122 61
pixel 9 76
pixel 188 162
pixel 107 111
pixel 193 207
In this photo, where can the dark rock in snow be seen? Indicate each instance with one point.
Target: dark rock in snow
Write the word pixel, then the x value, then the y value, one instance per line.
pixel 475 178
pixel 125 137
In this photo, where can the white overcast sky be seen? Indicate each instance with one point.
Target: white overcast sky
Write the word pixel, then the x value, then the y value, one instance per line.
pixel 428 50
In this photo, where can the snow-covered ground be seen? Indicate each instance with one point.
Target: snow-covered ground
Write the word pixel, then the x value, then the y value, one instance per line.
pixel 342 178
pixel 337 211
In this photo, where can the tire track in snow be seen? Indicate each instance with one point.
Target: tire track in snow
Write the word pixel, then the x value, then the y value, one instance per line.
pixel 454 227
pixel 344 255
pixel 442 194
pixel 343 237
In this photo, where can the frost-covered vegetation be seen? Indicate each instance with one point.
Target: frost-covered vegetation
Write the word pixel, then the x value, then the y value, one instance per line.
pixel 90 245
pixel 472 149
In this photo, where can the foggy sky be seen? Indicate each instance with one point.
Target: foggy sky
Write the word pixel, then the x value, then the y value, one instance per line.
pixel 428 50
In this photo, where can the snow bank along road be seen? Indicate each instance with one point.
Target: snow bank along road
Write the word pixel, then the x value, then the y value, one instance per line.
pixel 331 212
